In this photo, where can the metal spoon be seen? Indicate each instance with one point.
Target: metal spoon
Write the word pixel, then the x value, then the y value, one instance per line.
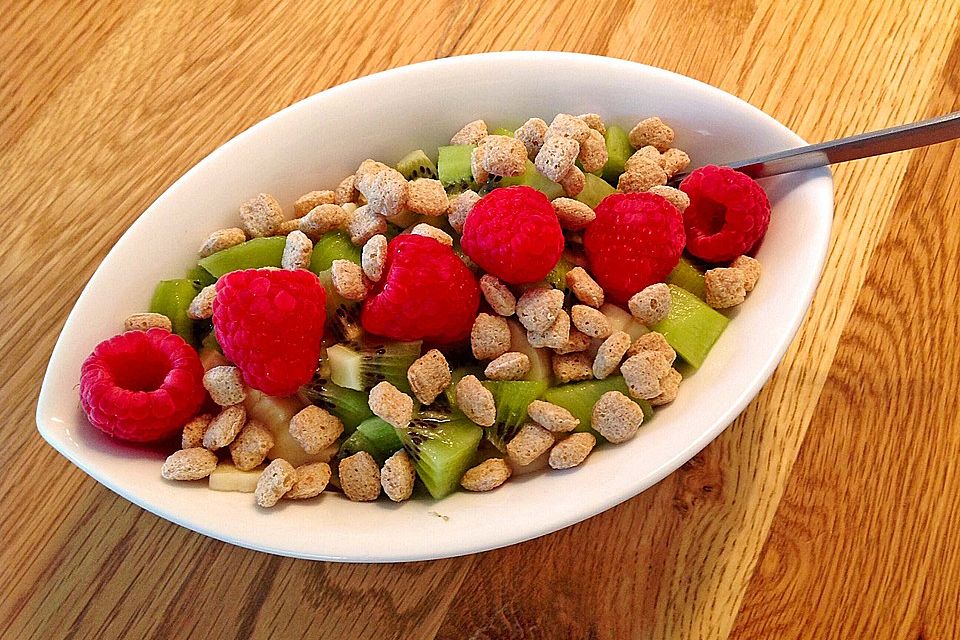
pixel 863 145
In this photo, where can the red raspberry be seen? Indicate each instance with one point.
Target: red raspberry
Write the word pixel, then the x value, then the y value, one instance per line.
pixel 635 241
pixel 426 293
pixel 728 213
pixel 141 386
pixel 513 233
pixel 270 323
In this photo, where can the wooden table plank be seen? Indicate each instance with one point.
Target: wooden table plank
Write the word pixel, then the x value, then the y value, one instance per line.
pixel 103 107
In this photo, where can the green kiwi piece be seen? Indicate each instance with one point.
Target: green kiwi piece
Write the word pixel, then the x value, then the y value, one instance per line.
pixel 531 178
pixel 594 190
pixel 618 150
pixel 332 246
pixel 688 277
pixel 417 164
pixel 579 397
pixel 692 327
pixel 557 278
pixel 200 276
pixel 376 437
pixel 361 368
pixel 252 254
pixel 512 399
pixel 441 452
pixel 343 316
pixel 453 167
pixel 501 131
pixel 349 405
pixel 172 298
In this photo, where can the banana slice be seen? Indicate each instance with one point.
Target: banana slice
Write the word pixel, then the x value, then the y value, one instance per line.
pixel 227 477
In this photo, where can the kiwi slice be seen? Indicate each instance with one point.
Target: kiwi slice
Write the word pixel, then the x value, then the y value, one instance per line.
pixel 172 298
pixel 501 131
pixel 252 254
pixel 594 190
pixel 349 405
pixel 362 368
pixel 579 397
pixel 417 164
pixel 618 150
pixel 453 167
pixel 332 246
pixel 688 277
pixel 557 278
pixel 343 316
pixel 692 327
pixel 531 178
pixel 200 276
pixel 376 437
pixel 512 399
pixel 441 452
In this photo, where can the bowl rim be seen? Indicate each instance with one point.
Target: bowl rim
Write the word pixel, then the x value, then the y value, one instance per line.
pixel 627 490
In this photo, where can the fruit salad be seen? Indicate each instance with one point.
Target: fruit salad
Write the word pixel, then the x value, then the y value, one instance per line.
pixel 501 306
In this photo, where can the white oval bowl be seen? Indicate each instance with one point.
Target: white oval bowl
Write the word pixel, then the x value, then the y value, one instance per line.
pixel 312 145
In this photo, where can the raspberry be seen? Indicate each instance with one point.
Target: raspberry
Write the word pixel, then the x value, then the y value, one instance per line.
pixel 270 323
pixel 513 233
pixel 635 241
pixel 426 293
pixel 141 386
pixel 728 213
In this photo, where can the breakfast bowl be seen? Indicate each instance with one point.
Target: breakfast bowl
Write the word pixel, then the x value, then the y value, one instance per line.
pixel 312 145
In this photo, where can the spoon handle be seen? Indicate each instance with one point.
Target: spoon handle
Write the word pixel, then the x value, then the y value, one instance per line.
pixel 863 145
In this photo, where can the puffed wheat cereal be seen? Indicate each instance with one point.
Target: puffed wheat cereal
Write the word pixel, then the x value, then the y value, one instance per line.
pixel 572 367
pixel 391 405
pixel 384 187
pixel 146 321
pixel 225 385
pixel 555 336
pixel 653 132
pixel 430 231
pixel 653 341
pixel 643 372
pixel 373 257
pixel 568 126
pixel 222 239
pixel 610 353
pixel 251 445
pixel 476 401
pixel 487 475
pixel 427 196
pixel 470 133
pixel 398 476
pixel 276 480
pixel 360 477
pixel 572 450
pixel 480 175
pixel 751 271
pixel 346 191
pixel 584 287
pixel 309 481
pixel 556 157
pixel 193 431
pixel 429 375
pixel 651 305
pixel 459 208
pixel 590 321
pixel 297 251
pixel 532 134
pixel 670 384
pixel 573 182
pixel 287 227
pixel 224 427
pixel 616 417
pixel 498 295
pixel 593 152
pixel 674 161
pixel 529 444
pixel 674 196
pixel 260 215
pixel 324 219
pixel 315 428
pixel 312 200
pixel 576 341
pixel 503 156
pixel 573 214
pixel 189 464
pixel 364 224
pixel 348 279
pixel 201 307
pixel 552 417
pixel 725 287
pixel 510 366
pixel 489 337
pixel 644 175
pixel 538 308
pixel 594 121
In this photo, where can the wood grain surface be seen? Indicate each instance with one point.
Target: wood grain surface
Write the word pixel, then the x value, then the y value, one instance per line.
pixel 829 509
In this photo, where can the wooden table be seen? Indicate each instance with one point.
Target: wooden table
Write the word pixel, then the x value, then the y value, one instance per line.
pixel 829 509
